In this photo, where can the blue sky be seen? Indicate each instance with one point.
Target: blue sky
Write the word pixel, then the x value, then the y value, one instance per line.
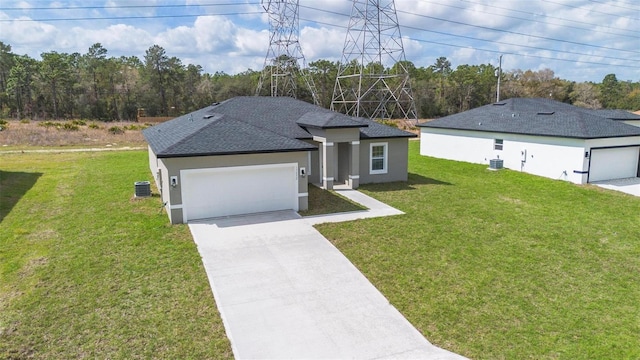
pixel 580 40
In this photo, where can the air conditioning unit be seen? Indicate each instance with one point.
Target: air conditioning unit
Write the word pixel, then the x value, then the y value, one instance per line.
pixel 143 189
pixel 496 164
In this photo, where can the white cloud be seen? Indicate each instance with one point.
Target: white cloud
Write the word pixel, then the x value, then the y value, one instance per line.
pixel 117 39
pixel 251 42
pixel 236 43
pixel 24 32
pixel 322 43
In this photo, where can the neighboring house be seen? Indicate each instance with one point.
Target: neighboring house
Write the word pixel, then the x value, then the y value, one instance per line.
pixel 542 137
pixel 624 116
pixel 257 154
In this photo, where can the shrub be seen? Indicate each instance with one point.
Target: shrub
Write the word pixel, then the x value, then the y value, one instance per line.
pixel 131 127
pixel 115 130
pixel 3 122
pixel 79 122
pixel 388 123
pixel 24 121
pixel 69 127
pixel 94 126
pixel 50 124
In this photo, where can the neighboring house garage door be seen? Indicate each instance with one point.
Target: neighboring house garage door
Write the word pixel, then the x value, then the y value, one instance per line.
pixel 208 193
pixel 614 163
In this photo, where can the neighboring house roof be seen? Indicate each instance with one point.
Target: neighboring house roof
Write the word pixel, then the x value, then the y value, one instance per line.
pixel 617 114
pixel 251 124
pixel 540 117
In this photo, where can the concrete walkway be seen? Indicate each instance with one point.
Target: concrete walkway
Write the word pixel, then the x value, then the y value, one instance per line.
pixel 375 208
pixel 285 292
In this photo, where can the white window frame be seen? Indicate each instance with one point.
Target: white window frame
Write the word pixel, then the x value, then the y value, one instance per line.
pixel 385 158
pixel 498 146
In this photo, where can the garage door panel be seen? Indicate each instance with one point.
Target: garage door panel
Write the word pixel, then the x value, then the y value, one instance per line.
pixel 239 190
pixel 615 163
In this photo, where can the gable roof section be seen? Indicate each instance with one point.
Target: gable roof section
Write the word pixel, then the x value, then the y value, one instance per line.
pixel 328 120
pixel 538 117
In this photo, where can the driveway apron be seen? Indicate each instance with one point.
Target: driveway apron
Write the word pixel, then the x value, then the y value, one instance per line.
pixel 630 185
pixel 285 292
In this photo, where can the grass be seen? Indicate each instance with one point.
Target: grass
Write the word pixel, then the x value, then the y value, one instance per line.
pixel 86 271
pixel 491 265
pixel 33 134
pixel 504 265
pixel 328 202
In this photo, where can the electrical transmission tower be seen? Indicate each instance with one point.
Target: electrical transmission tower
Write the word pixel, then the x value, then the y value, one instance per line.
pixel 373 80
pixel 284 57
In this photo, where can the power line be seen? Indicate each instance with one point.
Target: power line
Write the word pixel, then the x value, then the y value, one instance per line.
pixel 518 33
pixel 126 6
pixel 496 51
pixel 492 29
pixel 519 45
pixel 531 20
pixel 523 55
pixel 547 16
pixel 131 17
pixel 408 27
pixel 614 5
pixel 590 10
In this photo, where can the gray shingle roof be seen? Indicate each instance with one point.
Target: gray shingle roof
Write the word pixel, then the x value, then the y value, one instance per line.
pixel 376 130
pixel 253 125
pixel 617 114
pixel 328 120
pixel 542 117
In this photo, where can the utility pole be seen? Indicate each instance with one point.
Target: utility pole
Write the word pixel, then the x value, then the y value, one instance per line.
pixel 284 57
pixel 499 76
pixel 373 80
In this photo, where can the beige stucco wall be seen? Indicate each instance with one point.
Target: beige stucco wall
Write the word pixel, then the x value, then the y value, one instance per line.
pixel 337 135
pixel 397 161
pixel 172 166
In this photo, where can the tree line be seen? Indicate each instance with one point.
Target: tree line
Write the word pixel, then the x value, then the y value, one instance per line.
pixel 99 87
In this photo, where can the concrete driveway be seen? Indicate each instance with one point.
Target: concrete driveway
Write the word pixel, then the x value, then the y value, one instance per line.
pixel 629 186
pixel 285 292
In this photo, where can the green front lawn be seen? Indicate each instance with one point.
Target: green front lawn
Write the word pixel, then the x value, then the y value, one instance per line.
pixel 487 264
pixel 504 265
pixel 86 271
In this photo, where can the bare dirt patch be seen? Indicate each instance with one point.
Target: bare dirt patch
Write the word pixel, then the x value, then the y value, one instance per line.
pixel 71 133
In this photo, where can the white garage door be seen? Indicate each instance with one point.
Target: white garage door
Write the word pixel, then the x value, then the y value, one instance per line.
pixel 208 193
pixel 616 163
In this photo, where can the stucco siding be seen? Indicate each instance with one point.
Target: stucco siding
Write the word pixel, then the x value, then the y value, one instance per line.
pixel 165 192
pixel 556 158
pixel 552 160
pixel 336 135
pixel 397 160
pixel 172 167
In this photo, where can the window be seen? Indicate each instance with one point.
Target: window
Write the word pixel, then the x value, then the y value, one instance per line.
pixel 378 161
pixel 497 144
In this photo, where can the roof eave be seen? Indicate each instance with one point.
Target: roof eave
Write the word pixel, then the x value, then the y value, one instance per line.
pixel 333 126
pixel 169 155
pixel 535 134
pixel 408 135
